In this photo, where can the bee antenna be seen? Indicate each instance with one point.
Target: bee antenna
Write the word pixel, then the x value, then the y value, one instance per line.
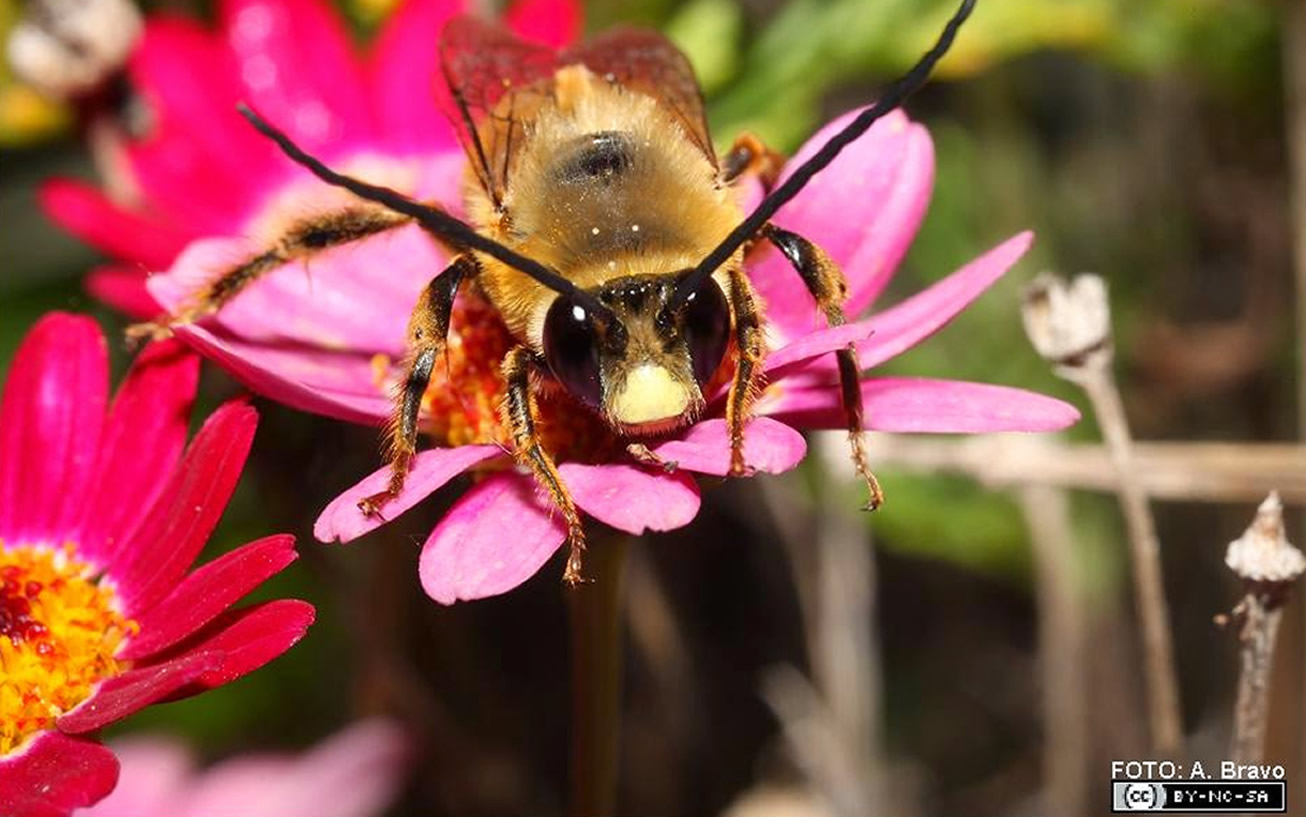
pixel 902 88
pixel 432 219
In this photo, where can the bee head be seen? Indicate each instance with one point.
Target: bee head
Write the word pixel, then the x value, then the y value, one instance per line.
pixel 645 364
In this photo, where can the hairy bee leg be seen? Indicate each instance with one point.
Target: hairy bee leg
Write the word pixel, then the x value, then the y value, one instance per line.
pixel 428 328
pixel 519 414
pixel 749 155
pixel 746 385
pixel 300 241
pixel 826 282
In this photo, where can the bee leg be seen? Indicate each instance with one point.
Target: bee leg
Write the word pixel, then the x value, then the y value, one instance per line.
pixel 749 155
pixel 519 415
pixel 746 384
pixel 301 241
pixel 826 282
pixel 428 328
pixel 643 455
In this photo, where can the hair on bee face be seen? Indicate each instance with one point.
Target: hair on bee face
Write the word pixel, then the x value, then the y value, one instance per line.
pixel 460 234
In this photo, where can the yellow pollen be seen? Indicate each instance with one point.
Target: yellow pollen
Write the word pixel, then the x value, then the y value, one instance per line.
pixel 59 631
pixel 461 404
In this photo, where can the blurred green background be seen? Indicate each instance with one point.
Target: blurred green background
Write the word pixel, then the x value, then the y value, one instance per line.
pixel 1143 141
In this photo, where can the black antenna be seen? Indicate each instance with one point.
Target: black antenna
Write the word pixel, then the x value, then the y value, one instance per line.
pixel 904 87
pixel 432 219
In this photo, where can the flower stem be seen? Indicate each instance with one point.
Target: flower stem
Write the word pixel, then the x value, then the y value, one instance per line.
pixel 1145 551
pixel 1259 631
pixel 596 624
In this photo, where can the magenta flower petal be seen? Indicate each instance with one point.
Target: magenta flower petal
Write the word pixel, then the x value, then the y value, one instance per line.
pixel 630 498
pixel 143 439
pixel 354 774
pixel 204 594
pixel 136 689
pixel 907 404
pixel 334 384
pixel 342 521
pixel 191 83
pixel 816 344
pixel 123 288
pixel 154 773
pixel 246 639
pixel 188 509
pixel 496 536
pixel 298 69
pixel 51 414
pixel 405 78
pixel 334 284
pixel 86 213
pixel 55 774
pixel 904 325
pixel 885 178
pixel 769 446
pixel 551 22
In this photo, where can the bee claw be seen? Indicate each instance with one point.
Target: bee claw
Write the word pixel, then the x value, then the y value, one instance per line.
pixel 147 331
pixel 371 505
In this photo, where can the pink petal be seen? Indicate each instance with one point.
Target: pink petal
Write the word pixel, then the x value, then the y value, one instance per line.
pixel 356 773
pixel 154 774
pixel 498 535
pixel 207 592
pixel 630 498
pixel 248 638
pixel 314 304
pixel 819 345
pixel 863 210
pixel 143 438
pixel 334 384
pixel 769 446
pixel 54 774
pixel 51 414
pixel 921 405
pixel 342 521
pixel 404 72
pixel 298 69
pixel 123 288
pixel 191 84
pixel 85 212
pixel 180 522
pixel 136 689
pixel 552 22
pixel 904 325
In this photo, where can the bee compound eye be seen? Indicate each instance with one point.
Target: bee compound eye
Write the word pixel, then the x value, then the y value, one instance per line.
pixel 706 329
pixel 571 349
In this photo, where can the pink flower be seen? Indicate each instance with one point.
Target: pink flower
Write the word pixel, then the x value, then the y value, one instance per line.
pixel 323 337
pixel 201 171
pixel 355 773
pixel 101 516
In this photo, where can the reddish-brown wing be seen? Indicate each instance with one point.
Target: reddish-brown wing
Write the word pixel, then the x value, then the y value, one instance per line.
pixel 482 63
pixel 646 62
pixel 497 81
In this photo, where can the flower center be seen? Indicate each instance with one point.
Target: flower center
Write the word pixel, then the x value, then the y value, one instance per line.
pixel 59 631
pixel 461 404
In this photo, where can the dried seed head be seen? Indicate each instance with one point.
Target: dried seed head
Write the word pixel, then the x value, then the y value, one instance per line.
pixel 1263 554
pixel 1069 323
pixel 68 48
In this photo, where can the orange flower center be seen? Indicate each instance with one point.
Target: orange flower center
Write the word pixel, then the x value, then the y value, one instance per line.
pixel 461 406
pixel 59 631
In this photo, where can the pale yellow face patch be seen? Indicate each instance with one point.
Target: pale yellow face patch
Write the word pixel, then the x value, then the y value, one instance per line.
pixel 650 394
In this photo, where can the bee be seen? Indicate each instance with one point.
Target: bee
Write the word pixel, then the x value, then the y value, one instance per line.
pixel 606 233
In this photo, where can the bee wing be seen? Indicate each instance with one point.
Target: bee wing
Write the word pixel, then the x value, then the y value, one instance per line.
pixel 648 63
pixel 482 63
